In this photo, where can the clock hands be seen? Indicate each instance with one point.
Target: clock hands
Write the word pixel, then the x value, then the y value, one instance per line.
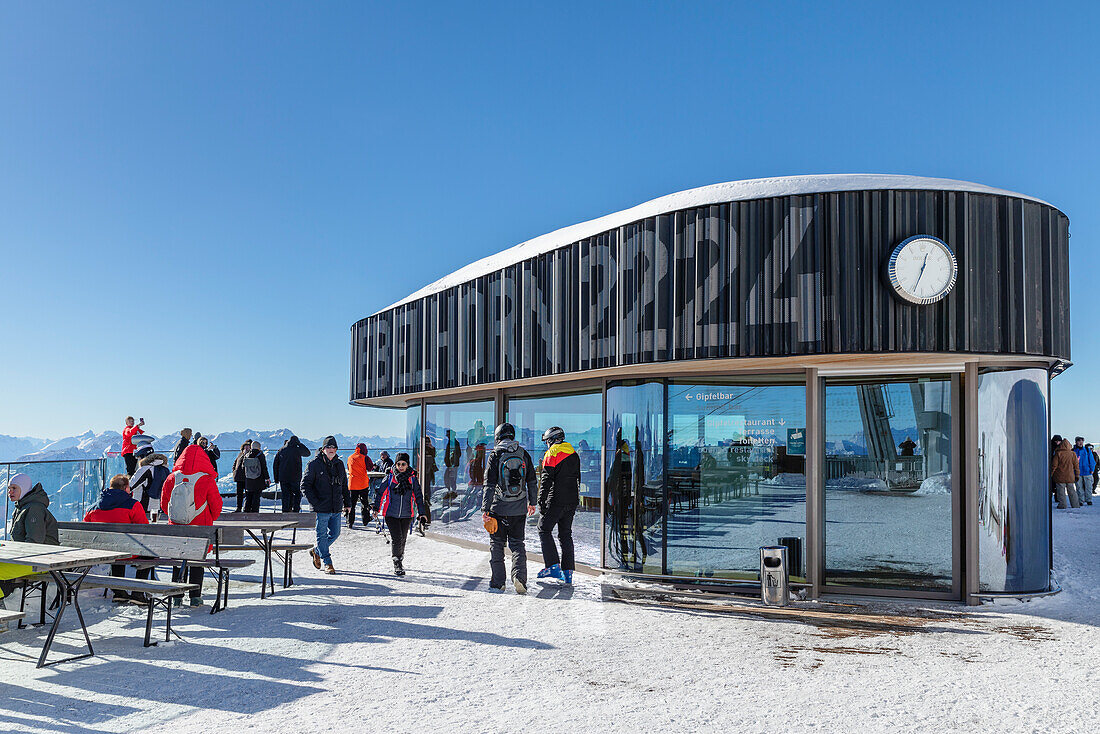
pixel 923 265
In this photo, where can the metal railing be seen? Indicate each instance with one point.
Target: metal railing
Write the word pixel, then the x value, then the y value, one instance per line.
pixel 74 485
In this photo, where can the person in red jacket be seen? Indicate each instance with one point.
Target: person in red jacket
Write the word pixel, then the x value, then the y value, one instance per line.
pixel 116 504
pixel 128 434
pixel 190 497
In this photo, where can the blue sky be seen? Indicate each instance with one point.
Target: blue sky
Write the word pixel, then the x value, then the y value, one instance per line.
pixel 197 200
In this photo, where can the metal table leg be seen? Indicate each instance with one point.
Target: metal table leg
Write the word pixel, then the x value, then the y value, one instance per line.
pixel 269 571
pixel 69 590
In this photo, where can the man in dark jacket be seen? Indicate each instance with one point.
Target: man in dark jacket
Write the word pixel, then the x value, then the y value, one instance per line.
pixel 32 521
pixel 325 485
pixel 184 442
pixel 256 478
pixel 287 470
pixel 559 495
pixel 510 488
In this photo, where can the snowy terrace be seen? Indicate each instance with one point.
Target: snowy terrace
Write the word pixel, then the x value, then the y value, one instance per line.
pixel 433 651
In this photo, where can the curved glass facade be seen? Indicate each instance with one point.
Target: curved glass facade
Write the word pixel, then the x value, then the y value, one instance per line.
pixel 888 484
pixel 634 488
pixel 457 438
pixel 1014 502
pixel 691 477
pixel 580 415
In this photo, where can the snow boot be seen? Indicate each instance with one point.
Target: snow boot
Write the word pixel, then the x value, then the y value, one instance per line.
pixel 496 590
pixel 552 573
pixel 196 601
pixel 316 558
pixel 398 569
pixel 330 570
pixel 521 587
pixel 568 578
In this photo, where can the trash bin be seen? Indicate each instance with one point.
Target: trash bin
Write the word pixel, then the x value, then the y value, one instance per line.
pixel 774 584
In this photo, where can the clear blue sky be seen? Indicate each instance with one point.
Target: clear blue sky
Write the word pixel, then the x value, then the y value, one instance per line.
pixel 197 200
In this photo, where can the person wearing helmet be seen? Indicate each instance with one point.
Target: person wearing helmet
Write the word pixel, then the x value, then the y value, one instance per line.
pixel 510 488
pixel 559 495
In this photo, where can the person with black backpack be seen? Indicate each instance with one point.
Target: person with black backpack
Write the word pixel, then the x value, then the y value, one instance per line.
pixel 256 479
pixel 510 489
pixel 238 473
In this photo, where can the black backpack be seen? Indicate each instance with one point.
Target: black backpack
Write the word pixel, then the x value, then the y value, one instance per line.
pixel 512 474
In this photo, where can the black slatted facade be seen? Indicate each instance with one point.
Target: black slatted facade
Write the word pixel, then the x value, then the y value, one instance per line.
pixel 781 276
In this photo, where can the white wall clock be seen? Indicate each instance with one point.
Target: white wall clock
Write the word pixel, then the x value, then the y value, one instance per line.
pixel 922 270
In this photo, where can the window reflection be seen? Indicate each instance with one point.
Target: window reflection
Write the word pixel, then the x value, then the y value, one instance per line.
pixel 635 500
pixel 457 440
pixel 736 477
pixel 579 416
pixel 1013 481
pixel 888 484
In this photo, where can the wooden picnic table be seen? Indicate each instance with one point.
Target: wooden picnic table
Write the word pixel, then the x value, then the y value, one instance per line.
pixel 54 559
pixel 267 530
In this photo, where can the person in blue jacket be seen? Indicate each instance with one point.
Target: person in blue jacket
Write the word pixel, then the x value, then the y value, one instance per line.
pixel 399 501
pixel 1087 461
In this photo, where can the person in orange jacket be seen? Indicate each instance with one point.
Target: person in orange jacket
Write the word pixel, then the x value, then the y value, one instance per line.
pixel 359 483
pixel 190 497
pixel 117 504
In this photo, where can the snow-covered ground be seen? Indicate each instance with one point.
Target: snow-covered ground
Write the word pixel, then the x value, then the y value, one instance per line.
pixel 364 651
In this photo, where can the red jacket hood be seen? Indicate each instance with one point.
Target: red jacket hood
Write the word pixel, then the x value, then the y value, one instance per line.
pixel 193 460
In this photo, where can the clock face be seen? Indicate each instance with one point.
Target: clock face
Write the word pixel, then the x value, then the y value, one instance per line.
pixel 922 269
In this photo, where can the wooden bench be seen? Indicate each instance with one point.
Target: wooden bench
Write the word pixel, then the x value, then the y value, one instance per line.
pixel 284 551
pixel 159 544
pixel 130 538
pixel 6 616
pixel 157 593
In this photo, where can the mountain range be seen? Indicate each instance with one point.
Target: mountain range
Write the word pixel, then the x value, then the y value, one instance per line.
pixel 91 445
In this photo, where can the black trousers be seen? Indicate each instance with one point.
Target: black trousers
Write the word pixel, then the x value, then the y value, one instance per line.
pixel 562 519
pixel 510 530
pixel 252 499
pixel 240 496
pixel 357 496
pixel 291 494
pixel 118 570
pixel 131 464
pixel 399 533
pixel 194 576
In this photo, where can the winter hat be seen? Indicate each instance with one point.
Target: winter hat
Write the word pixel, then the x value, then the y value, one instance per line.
pixel 143 452
pixel 329 442
pixel 23 482
pixel 402 456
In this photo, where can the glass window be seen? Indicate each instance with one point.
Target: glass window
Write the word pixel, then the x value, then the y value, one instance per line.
pixel 1013 481
pixel 888 484
pixel 457 441
pixel 580 416
pixel 634 510
pixel 412 435
pixel 736 477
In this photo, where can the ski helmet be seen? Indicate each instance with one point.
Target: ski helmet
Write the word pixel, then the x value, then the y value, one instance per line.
pixel 553 435
pixel 505 432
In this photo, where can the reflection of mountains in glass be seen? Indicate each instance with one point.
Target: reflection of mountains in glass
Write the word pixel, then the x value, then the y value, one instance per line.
pixel 533 437
pixel 857 444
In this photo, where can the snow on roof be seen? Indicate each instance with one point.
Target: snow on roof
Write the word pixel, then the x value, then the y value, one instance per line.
pixel 756 188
